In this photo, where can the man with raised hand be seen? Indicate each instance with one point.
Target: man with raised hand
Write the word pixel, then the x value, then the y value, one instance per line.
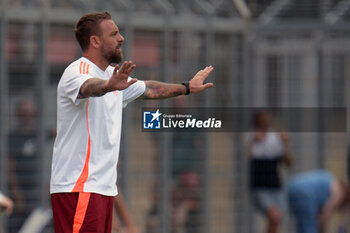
pixel 91 95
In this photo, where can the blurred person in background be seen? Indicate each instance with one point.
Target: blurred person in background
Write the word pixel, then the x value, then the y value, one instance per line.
pixel 268 150
pixel 24 175
pixel 185 168
pixel 186 203
pixel 184 206
pixel 186 146
pixel 185 189
pixel 313 197
pixel 6 206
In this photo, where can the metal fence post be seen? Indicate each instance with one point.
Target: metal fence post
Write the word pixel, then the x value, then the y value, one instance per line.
pixel 167 147
pixel 125 149
pixel 41 86
pixel 4 101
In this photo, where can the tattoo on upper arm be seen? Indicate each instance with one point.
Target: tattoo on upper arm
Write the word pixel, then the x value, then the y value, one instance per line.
pixel 93 87
pixel 159 90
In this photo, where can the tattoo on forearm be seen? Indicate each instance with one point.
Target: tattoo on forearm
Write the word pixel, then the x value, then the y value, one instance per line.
pixel 93 87
pixel 159 90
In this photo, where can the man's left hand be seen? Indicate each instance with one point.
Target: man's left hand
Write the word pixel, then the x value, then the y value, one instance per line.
pixel 196 83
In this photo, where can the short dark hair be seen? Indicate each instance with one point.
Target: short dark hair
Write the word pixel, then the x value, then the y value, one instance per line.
pixel 88 25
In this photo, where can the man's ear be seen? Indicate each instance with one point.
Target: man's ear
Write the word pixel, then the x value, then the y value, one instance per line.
pixel 95 41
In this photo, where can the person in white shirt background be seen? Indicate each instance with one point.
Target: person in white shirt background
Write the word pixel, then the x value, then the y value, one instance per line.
pixel 268 150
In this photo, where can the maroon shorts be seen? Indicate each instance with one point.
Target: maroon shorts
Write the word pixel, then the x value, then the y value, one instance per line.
pixel 82 212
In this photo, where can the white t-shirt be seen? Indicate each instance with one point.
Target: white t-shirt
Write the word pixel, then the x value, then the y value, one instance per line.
pixel 86 148
pixel 270 147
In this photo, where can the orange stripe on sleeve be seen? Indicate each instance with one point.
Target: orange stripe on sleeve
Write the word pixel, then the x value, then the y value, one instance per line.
pixel 84 68
pixel 83 202
pixel 79 185
pixel 80 66
pixel 87 68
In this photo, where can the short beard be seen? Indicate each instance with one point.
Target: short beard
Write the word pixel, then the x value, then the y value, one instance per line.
pixel 112 57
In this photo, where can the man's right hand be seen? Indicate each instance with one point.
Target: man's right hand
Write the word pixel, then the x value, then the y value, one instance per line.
pixel 95 87
pixel 119 78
